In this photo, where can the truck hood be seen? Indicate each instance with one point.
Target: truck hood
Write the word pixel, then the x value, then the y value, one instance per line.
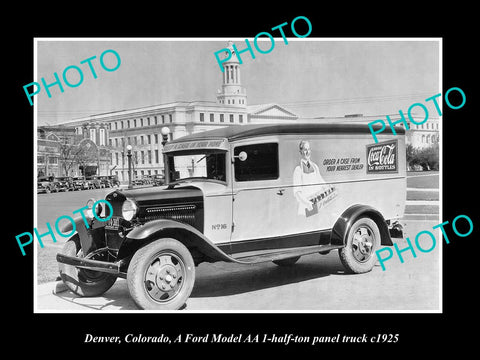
pixel 155 196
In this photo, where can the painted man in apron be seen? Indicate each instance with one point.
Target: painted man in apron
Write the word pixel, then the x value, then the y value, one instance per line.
pixel 309 187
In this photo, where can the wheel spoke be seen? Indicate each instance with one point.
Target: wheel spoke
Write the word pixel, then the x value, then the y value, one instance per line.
pixel 164 277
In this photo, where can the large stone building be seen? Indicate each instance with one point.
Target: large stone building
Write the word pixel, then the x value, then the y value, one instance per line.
pixel 109 133
pixel 419 136
pixel 64 150
pixel 141 128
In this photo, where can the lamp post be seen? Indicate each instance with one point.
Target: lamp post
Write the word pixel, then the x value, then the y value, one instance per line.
pixel 129 156
pixel 165 132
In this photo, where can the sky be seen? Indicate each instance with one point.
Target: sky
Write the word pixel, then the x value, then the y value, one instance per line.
pixel 311 77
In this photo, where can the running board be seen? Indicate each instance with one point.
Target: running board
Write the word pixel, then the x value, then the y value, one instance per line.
pixel 283 254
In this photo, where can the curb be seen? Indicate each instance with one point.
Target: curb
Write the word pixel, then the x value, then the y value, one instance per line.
pixel 54 287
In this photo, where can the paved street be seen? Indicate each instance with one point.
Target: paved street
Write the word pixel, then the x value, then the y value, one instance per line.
pixel 315 283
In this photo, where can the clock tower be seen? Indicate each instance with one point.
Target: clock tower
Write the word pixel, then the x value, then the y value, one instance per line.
pixel 232 91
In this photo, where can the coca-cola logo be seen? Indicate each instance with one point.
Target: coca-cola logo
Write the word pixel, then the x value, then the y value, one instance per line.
pixel 382 157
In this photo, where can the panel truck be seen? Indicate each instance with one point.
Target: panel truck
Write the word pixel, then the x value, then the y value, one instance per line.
pixel 243 194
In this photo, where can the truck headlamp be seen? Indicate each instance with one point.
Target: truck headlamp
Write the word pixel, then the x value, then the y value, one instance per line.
pixel 129 209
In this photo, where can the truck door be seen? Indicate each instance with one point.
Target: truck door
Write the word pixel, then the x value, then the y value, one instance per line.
pixel 258 197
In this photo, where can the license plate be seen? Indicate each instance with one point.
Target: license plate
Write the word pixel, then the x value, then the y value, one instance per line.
pixel 113 223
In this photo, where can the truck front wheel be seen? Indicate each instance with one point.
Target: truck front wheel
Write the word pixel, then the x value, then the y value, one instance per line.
pixel 83 282
pixel 161 275
pixel 363 239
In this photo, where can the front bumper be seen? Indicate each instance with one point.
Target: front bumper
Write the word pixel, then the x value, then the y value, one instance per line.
pixel 95 265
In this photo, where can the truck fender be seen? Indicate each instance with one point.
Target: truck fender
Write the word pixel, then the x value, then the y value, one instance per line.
pixel 87 238
pixel 166 228
pixel 345 221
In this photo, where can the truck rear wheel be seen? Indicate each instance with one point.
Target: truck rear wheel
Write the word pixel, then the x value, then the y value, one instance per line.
pixel 363 239
pixel 161 275
pixel 83 282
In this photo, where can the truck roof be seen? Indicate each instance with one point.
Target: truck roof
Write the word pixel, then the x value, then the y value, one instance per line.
pixel 236 132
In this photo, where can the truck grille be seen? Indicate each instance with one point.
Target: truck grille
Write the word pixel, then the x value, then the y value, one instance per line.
pixel 180 213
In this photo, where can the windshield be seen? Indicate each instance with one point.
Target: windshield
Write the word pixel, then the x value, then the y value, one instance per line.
pixel 198 165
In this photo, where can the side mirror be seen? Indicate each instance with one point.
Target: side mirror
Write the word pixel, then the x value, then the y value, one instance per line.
pixel 242 156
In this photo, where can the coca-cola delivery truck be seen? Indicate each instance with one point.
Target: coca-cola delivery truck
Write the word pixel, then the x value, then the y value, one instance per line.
pixel 244 194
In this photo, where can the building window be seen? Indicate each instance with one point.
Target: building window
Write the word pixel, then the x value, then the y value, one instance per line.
pixel 163 119
pixel 156 138
pixel 53 160
pixel 228 101
pixel 149 153
pixel 170 117
pixel 102 137
pixel 79 130
pixel 202 117
pixel 211 118
pixel 116 142
pixel 156 156
pixel 231 118
pixel 141 140
pixel 40 159
pixel 221 118
pixel 148 121
pixel 110 142
pixel 149 137
pixel 240 118
pixel 128 140
pixel 233 101
pixel 116 125
pixel 92 135
pixel 121 124
pixel 116 159
pixel 142 155
pixel 156 120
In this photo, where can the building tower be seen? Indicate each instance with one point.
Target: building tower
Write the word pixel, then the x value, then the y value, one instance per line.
pixel 232 91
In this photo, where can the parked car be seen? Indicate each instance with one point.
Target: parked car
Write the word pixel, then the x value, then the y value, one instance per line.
pixel 158 179
pixel 45 185
pixel 94 182
pixel 114 180
pixel 137 181
pixel 257 193
pixel 147 179
pixel 105 181
pixel 63 183
pixel 80 183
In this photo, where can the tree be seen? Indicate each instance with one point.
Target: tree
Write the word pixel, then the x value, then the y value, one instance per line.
pixel 428 157
pixel 411 156
pixel 67 157
pixel 83 154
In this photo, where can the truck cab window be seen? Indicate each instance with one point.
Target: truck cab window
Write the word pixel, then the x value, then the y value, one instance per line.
pixel 261 162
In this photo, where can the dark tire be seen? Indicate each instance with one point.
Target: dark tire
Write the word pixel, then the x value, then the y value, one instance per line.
pixel 286 262
pixel 161 275
pixel 363 239
pixel 83 282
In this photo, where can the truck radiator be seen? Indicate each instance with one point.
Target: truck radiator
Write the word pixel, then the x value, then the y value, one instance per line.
pixel 180 213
